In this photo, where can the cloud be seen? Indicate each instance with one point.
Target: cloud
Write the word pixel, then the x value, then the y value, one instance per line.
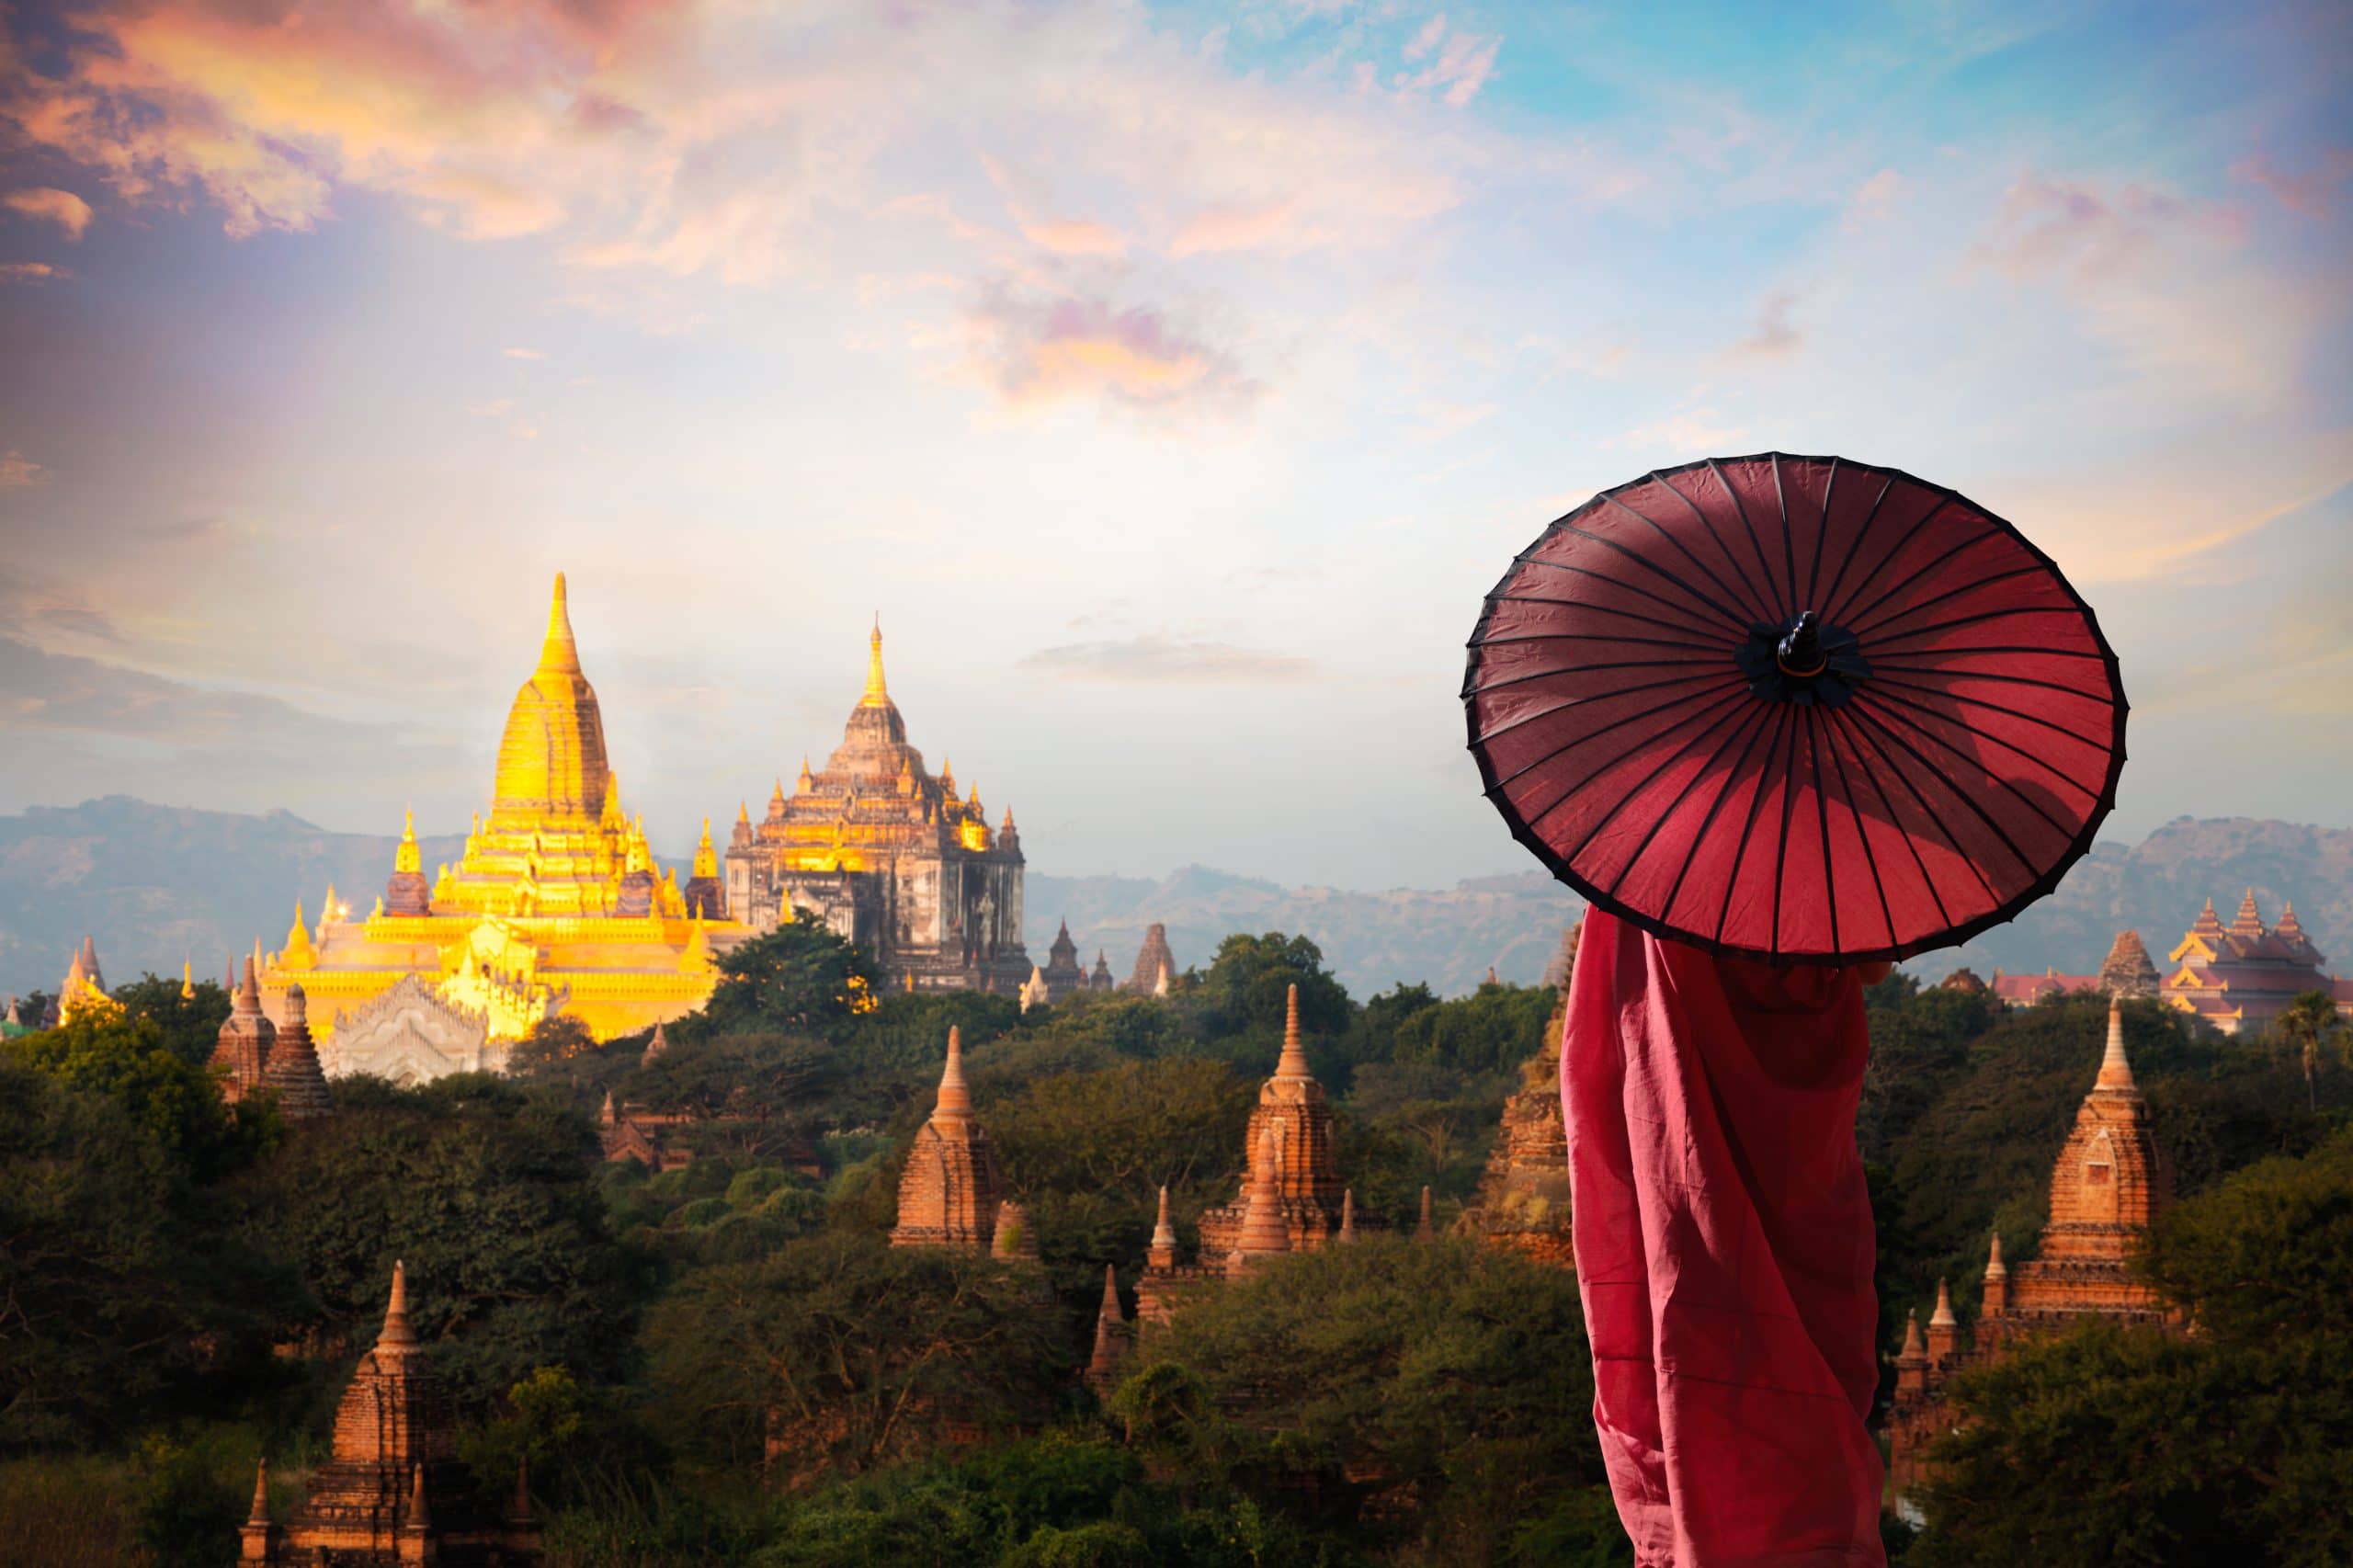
pixel 30 272
pixel 524 353
pixel 34 604
pixel 2311 193
pixel 18 470
pixel 1155 660
pixel 1459 63
pixel 1274 225
pixel 1029 348
pixel 63 207
pixel 1773 336
pixel 1059 235
pixel 1697 432
pixel 2089 233
pixel 1873 202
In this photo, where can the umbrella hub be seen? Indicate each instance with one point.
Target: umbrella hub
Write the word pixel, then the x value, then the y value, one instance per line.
pixel 1803 660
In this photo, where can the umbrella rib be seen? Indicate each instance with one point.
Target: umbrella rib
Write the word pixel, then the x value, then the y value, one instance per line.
pixel 1764 712
pixel 1645 782
pixel 1738 571
pixel 1531 819
pixel 1657 823
pixel 1822 815
pixel 1789 545
pixel 1991 675
pixel 1756 801
pixel 1781 849
pixel 1926 734
pixel 1838 617
pixel 1488 735
pixel 1652 566
pixel 1853 545
pixel 1966 800
pixel 1764 571
pixel 1646 641
pixel 1821 534
pixel 1577 670
pixel 1862 834
pixel 1981 702
pixel 1907 636
pixel 1862 612
pixel 1910 845
pixel 1694 627
pixel 1989 737
pixel 1738 613
pixel 2030 569
pixel 1589 606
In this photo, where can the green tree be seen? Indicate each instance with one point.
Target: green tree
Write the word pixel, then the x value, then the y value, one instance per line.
pixel 800 979
pixel 2115 1446
pixel 191 1025
pixel 841 1351
pixel 121 1298
pixel 755 1096
pixel 1246 986
pixel 2309 1022
pixel 485 1192
pixel 1446 1372
pixel 176 1102
pixel 1494 1029
pixel 550 1046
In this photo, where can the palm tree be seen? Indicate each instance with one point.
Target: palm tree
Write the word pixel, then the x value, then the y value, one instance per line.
pixel 2308 1020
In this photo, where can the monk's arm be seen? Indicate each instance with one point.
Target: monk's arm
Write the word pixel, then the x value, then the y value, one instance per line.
pixel 1873 973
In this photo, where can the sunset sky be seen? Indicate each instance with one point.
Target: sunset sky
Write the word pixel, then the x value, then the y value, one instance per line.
pixel 1173 380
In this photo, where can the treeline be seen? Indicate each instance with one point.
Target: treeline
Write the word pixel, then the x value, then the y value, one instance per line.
pixel 727 1362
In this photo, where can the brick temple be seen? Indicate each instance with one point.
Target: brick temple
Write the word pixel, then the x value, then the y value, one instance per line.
pixel 1523 1197
pixel 2110 1182
pixel 949 1191
pixel 392 1490
pixel 876 848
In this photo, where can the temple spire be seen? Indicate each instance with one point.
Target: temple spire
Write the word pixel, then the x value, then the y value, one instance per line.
pixel 188 980
pixel 259 1515
pixel 559 654
pixel 1995 1268
pixel 2115 1070
pixel 1942 1317
pixel 877 695
pixel 1914 1350
pixel 955 1096
pixel 397 1334
pixel 1424 1230
pixel 1348 1215
pixel 1163 1230
pixel 1292 1063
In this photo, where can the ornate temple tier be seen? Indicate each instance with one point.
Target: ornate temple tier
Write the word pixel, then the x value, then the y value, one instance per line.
pixel 554 906
pixel 879 849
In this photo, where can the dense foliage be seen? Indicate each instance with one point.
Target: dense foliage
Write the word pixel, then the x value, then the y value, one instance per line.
pixel 725 1361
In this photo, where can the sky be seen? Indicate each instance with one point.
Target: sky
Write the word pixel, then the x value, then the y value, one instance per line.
pixel 1172 381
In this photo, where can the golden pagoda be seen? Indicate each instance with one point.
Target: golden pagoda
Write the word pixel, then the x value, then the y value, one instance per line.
pixel 554 905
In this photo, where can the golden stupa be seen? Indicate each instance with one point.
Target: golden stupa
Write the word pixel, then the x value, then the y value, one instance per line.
pixel 556 904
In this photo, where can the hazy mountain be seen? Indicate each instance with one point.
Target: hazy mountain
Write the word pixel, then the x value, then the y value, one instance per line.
pixel 156 884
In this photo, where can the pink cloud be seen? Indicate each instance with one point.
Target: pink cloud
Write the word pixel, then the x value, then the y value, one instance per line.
pixel 1274 225
pixel 1773 337
pixel 1873 200
pixel 63 207
pixel 2082 230
pixel 2311 193
pixel 1036 350
pixel 30 272
pixel 18 470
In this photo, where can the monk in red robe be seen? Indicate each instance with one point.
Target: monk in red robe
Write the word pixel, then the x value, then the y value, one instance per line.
pixel 1724 1249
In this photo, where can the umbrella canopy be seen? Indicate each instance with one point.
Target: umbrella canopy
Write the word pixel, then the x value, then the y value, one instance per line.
pixel 1797 708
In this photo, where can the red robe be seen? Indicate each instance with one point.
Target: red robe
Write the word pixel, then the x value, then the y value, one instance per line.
pixel 1724 1249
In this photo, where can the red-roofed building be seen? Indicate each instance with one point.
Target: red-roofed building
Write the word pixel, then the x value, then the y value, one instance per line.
pixel 2242 975
pixel 2026 990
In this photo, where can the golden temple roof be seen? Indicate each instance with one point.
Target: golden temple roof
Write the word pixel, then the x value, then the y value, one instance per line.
pixel 552 757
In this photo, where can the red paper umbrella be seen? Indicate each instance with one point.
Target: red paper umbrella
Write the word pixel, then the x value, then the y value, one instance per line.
pixel 1798 709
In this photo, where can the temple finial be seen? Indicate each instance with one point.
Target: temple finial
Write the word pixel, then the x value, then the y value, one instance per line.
pixel 1995 1268
pixel 397 1334
pixel 1292 1063
pixel 188 980
pixel 2115 1070
pixel 559 654
pixel 877 695
pixel 1348 1215
pixel 260 1511
pixel 1914 1350
pixel 1942 1317
pixel 1424 1230
pixel 1163 1231
pixel 955 1096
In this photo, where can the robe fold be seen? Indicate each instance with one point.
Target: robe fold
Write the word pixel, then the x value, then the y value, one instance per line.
pixel 1725 1250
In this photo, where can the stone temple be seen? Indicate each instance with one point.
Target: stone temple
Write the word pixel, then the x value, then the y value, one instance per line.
pixel 875 848
pixel 556 904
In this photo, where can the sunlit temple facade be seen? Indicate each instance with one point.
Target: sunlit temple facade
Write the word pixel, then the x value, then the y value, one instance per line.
pixel 879 849
pixel 555 906
pixel 2242 975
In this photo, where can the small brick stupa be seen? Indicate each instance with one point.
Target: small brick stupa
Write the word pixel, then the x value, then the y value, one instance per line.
pixel 395 1490
pixel 950 1192
pixel 1523 1199
pixel 2128 970
pixel 1293 1119
pixel 1110 1337
pixel 1262 1233
pixel 1155 969
pixel 245 1041
pixel 293 1070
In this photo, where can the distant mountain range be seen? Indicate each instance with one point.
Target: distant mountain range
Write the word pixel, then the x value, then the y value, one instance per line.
pixel 158 884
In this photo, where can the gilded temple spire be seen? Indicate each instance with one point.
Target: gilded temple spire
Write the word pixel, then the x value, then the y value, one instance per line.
pixel 559 654
pixel 877 695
